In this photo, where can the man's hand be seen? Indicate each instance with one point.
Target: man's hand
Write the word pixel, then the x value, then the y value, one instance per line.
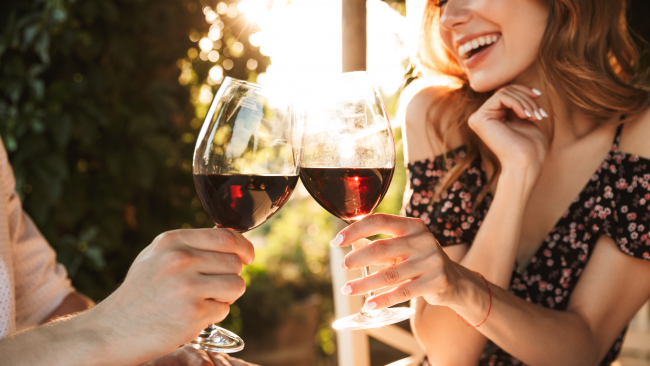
pixel 183 281
pixel 188 356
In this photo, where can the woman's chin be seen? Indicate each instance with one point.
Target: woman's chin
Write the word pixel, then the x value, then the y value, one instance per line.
pixel 485 86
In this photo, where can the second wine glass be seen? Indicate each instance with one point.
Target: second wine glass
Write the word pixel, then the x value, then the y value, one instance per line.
pixel 348 165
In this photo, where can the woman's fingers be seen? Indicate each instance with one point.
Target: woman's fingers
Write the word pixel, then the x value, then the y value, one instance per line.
pixel 385 277
pixel 416 287
pixel 378 224
pixel 390 251
pixel 223 359
pixel 530 107
pixel 530 94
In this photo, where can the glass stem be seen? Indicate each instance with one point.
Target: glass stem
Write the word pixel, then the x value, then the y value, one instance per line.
pixel 365 272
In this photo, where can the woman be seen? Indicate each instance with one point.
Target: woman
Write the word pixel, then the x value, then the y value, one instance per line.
pixel 546 127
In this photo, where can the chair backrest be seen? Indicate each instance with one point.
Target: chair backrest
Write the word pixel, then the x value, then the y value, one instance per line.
pixel 353 346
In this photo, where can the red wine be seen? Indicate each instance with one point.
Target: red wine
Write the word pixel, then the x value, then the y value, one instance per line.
pixel 243 202
pixel 347 193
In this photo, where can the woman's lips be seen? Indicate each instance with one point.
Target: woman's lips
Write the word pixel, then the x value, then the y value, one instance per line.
pixel 479 56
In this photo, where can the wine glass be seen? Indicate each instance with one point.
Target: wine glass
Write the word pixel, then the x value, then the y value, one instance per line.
pixel 246 164
pixel 348 165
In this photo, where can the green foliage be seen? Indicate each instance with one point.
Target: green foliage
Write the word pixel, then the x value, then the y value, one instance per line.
pixel 98 127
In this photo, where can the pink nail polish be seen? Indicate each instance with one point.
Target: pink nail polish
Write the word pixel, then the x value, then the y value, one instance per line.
pixel 343 265
pixel 371 305
pixel 337 241
pixel 543 112
pixel 347 289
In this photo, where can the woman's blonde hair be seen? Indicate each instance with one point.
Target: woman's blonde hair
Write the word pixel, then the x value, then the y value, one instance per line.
pixel 587 55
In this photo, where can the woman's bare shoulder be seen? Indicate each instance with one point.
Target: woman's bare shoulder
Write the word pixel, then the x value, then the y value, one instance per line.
pixel 635 135
pixel 416 102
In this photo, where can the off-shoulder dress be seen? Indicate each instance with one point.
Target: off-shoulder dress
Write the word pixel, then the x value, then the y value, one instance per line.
pixel 614 202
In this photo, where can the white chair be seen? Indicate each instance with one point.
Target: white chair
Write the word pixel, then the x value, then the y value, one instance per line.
pixel 353 346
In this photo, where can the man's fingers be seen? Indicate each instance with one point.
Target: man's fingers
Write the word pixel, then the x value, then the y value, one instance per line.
pixel 377 224
pixel 215 263
pixel 221 288
pixel 212 240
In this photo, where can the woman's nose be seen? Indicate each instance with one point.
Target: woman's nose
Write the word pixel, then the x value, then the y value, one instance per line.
pixel 455 13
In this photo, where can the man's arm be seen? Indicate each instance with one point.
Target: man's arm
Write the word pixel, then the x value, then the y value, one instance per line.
pixel 183 281
pixel 72 304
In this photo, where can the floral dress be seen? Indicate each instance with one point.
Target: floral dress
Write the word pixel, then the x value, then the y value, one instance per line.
pixel 615 202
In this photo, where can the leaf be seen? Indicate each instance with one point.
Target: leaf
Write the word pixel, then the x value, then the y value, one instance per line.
pixel 96 256
pixel 38 88
pixel 89 234
pixel 59 15
pixel 42 47
pixel 29 34
pixel 10 143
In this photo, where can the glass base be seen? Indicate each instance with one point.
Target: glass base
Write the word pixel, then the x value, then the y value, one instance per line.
pixel 217 339
pixel 374 319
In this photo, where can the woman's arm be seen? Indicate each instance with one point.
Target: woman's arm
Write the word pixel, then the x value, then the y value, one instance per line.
pixel 610 291
pixel 494 249
pixel 601 304
pixel 493 254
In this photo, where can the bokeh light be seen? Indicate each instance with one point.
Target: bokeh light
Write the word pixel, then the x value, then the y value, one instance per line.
pixel 256 39
pixel 232 11
pixel 228 64
pixel 222 8
pixel 251 64
pixel 213 56
pixel 237 47
pixel 205 44
pixel 215 34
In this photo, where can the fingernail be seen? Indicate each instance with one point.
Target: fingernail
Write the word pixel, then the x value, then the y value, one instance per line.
pixel 528 113
pixel 539 116
pixel 537 91
pixel 343 265
pixel 347 289
pixel 337 241
pixel 543 112
pixel 371 305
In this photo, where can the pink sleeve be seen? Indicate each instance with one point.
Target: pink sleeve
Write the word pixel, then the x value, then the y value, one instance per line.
pixel 40 282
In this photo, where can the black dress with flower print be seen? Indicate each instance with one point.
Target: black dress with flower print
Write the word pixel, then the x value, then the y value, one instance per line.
pixel 615 202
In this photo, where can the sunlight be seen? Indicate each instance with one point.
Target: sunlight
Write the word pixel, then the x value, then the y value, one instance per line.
pixel 303 40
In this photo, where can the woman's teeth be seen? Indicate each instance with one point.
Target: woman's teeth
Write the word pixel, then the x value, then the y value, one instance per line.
pixel 476 43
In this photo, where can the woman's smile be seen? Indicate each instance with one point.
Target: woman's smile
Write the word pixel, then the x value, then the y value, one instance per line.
pixel 472 52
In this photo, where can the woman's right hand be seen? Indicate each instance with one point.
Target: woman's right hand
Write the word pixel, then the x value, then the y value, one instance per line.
pixel 507 124
pixel 183 281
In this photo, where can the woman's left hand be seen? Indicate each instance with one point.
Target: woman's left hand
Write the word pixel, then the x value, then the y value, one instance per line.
pixel 416 261
pixel 188 356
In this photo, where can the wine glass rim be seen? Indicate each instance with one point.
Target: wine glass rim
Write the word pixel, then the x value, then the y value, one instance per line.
pixel 243 82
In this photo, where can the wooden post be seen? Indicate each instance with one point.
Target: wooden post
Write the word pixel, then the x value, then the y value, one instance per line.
pixel 354 35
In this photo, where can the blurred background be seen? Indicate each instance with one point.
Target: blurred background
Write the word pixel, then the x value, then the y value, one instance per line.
pixel 100 105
